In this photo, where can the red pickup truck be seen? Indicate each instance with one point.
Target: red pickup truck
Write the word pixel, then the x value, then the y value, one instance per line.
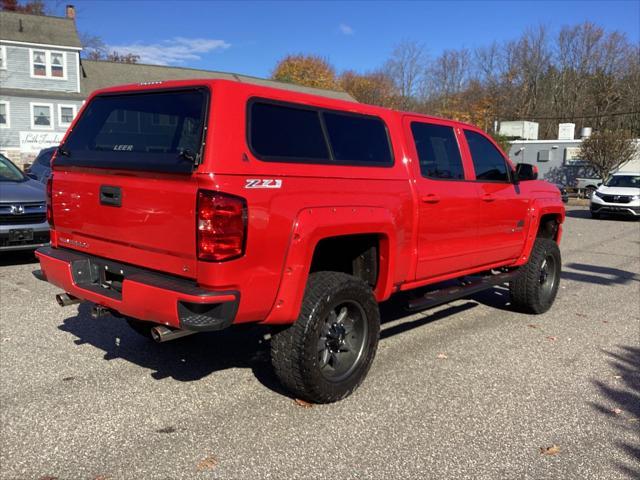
pixel 190 206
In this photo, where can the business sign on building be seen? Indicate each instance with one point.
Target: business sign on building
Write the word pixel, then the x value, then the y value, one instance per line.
pixel 33 142
pixel 572 156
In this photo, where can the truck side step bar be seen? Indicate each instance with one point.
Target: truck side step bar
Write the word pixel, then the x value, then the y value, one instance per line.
pixel 449 294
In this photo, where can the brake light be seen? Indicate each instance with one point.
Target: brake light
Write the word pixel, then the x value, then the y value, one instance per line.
pixel 221 226
pixel 50 200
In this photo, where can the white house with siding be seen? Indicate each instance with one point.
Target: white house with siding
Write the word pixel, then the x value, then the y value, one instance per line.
pixel 40 75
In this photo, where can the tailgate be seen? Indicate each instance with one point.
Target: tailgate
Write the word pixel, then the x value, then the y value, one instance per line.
pixel 124 186
pixel 142 218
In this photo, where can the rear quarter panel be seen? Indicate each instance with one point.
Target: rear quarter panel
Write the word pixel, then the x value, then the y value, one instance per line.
pixel 313 202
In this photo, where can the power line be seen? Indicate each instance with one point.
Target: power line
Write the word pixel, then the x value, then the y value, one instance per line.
pixel 566 117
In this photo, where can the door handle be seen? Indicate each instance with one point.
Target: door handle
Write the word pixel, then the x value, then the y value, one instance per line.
pixel 110 195
pixel 487 197
pixel 430 198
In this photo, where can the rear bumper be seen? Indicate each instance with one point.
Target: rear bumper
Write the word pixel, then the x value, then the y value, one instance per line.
pixel 139 293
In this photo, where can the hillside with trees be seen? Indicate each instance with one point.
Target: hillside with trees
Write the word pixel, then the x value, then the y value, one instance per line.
pixel 581 74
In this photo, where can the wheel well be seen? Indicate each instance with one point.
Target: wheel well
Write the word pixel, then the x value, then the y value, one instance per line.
pixel 548 227
pixel 355 255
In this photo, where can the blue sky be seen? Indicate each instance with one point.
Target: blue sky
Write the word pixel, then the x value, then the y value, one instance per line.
pixel 250 37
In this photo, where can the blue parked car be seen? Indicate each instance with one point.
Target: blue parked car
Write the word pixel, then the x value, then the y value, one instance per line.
pixel 41 168
pixel 23 211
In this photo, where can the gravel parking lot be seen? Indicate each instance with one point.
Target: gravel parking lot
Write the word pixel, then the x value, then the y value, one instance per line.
pixel 468 390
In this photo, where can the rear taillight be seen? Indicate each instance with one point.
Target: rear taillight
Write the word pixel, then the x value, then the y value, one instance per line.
pixel 222 226
pixel 50 200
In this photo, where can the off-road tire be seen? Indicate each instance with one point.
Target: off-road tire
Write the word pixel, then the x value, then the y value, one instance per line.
pixel 295 354
pixel 529 293
pixel 140 327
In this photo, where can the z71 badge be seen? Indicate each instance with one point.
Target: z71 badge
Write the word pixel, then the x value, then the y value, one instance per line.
pixel 263 183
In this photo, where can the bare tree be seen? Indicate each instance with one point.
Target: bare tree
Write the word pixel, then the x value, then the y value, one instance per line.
pixel 448 75
pixel 406 68
pixel 94 48
pixel 531 61
pixel 606 150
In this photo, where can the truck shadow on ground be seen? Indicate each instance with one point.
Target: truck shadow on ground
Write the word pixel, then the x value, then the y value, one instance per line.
pixel 581 272
pixel 621 392
pixel 195 357
pixel 17 258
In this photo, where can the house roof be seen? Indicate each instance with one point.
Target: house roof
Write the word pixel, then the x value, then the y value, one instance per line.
pixel 40 29
pixel 41 94
pixel 101 74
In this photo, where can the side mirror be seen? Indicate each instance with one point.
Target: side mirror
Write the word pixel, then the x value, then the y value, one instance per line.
pixel 525 171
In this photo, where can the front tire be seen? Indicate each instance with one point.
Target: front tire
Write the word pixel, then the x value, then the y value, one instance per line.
pixel 326 354
pixel 536 285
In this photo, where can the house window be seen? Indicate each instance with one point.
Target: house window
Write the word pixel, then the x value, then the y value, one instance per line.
pixel 47 64
pixel 3 58
pixel 66 113
pixel 57 64
pixel 4 115
pixel 41 116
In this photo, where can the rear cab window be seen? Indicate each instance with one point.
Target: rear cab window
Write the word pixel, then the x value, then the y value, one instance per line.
pixel 144 130
pixel 488 162
pixel 279 132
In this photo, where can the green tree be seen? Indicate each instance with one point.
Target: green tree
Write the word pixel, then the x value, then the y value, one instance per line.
pixel 502 141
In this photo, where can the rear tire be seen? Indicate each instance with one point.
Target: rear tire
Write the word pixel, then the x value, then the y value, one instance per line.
pixel 326 354
pixel 536 285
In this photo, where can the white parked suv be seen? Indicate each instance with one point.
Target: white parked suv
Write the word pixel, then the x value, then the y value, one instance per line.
pixel 619 194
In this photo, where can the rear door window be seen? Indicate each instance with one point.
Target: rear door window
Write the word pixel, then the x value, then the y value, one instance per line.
pixel 488 162
pixel 140 131
pixel 438 151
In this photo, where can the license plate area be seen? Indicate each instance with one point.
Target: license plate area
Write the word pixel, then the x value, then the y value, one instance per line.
pixel 100 276
pixel 21 235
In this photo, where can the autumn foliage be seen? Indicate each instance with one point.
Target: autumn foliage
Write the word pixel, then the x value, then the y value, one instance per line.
pixel 34 7
pixel 307 70
pixel 373 88
pixel 580 74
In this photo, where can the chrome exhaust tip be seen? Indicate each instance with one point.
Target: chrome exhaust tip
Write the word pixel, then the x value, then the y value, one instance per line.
pixel 64 299
pixel 162 334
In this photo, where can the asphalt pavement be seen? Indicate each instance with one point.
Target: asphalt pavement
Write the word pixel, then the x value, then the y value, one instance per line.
pixel 469 390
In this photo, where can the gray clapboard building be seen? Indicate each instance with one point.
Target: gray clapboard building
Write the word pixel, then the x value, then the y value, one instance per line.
pixel 44 81
pixel 559 161
pixel 40 74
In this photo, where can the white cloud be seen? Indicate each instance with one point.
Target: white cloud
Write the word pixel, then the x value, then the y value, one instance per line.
pixel 346 29
pixel 174 51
